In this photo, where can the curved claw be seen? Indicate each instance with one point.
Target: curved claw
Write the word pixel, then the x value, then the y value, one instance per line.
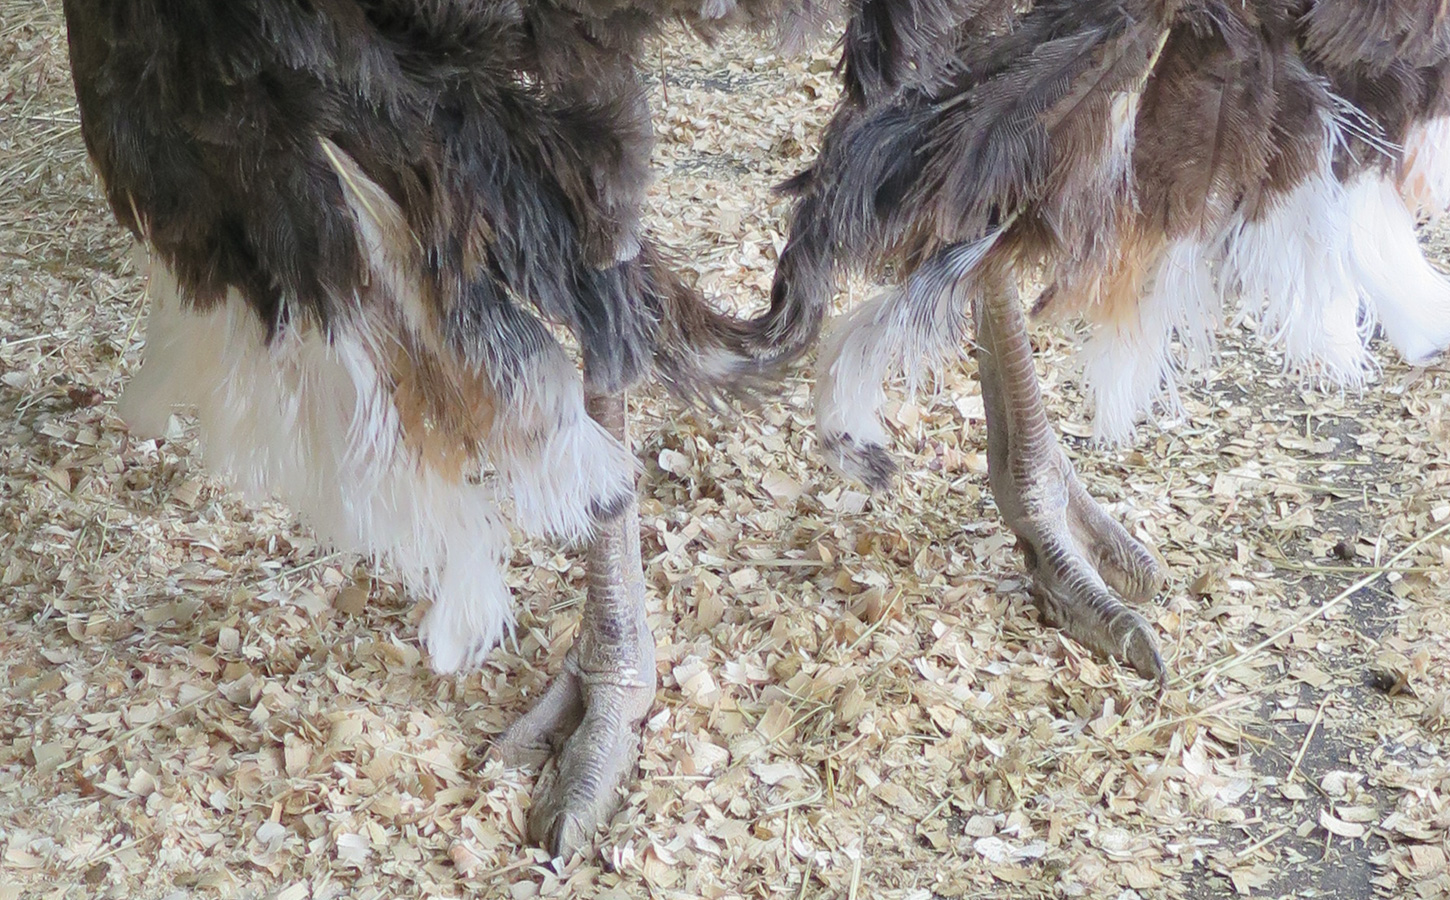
pixel 1078 557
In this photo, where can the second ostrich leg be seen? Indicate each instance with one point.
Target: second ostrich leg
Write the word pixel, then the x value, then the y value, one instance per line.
pixel 1074 550
pixel 592 711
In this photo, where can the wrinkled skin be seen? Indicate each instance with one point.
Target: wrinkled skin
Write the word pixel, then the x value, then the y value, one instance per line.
pixel 590 715
pixel 1078 556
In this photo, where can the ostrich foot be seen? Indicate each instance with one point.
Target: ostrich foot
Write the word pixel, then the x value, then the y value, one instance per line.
pixel 1074 550
pixel 1078 557
pixel 591 722
pixel 590 715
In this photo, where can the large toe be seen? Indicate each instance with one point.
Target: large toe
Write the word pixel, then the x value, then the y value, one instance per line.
pixel 591 725
pixel 1071 596
pixel 1123 562
pixel 547 724
pixel 577 799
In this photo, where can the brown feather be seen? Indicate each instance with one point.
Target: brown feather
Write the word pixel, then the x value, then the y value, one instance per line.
pixel 991 148
pixel 1377 34
pixel 1091 132
pixel 1204 130
pixel 1302 104
pixel 1107 290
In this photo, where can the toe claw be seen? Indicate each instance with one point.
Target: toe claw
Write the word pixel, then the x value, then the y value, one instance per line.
pixel 1140 650
pixel 1069 597
pixel 1079 556
pixel 569 837
pixel 584 791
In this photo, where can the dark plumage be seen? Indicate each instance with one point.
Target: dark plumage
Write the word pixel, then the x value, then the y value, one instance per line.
pixel 205 120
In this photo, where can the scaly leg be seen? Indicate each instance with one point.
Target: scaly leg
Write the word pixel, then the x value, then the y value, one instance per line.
pixel 1073 549
pixel 591 713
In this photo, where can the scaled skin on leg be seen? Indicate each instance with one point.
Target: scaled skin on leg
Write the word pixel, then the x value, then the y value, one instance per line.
pixel 591 714
pixel 1074 550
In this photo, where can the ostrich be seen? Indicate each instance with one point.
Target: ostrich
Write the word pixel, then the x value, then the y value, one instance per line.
pixel 360 218
pixel 356 218
pixel 1156 160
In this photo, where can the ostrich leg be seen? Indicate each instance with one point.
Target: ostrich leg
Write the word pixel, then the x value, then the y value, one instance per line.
pixel 592 711
pixel 1073 549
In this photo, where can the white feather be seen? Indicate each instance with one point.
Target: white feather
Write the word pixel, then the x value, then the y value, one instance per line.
pixel 1293 268
pixel 1411 297
pixel 1129 366
pixel 1425 175
pixel 560 465
pixel 857 356
pixel 310 421
pixel 909 329
pixel 1313 271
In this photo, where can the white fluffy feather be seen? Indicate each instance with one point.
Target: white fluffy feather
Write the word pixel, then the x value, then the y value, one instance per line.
pixel 1425 175
pixel 310 422
pixel 1315 271
pixel 857 355
pixel 1410 296
pixel 1128 365
pixel 909 329
pixel 560 465
pixel 1293 268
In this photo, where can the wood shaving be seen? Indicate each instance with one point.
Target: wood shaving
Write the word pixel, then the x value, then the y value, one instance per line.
pixel 856 699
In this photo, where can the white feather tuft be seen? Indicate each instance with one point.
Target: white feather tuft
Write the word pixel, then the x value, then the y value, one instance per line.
pixel 857 356
pixel 561 466
pixel 1411 297
pixel 1293 267
pixel 1425 175
pixel 1128 365
pixel 1314 270
pixel 911 330
pixel 309 420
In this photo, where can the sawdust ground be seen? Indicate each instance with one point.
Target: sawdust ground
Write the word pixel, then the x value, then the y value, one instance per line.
pixel 856 700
